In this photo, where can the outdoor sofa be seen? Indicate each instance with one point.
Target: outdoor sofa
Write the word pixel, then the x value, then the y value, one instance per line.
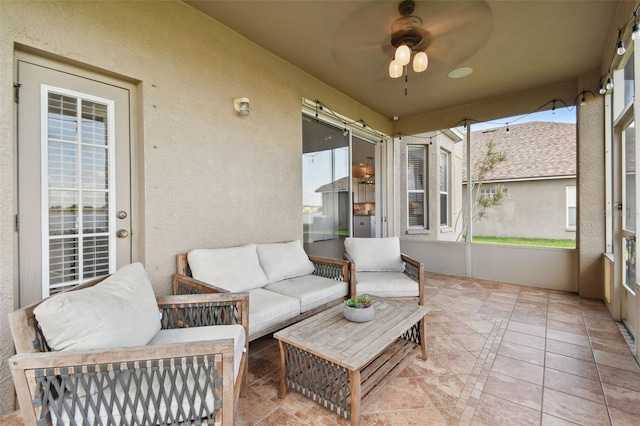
pixel 110 352
pixel 285 285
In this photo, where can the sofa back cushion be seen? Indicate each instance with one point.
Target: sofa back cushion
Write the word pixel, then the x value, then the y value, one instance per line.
pixel 281 261
pixel 235 269
pixel 119 311
pixel 375 254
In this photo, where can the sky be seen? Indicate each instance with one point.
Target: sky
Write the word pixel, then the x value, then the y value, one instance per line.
pixel 560 115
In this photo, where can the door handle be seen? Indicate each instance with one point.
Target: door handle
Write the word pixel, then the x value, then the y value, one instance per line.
pixel 122 233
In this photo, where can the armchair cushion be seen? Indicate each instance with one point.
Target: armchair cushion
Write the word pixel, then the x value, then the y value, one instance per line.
pixel 284 260
pixel 120 311
pixel 235 269
pixel 386 284
pixel 375 254
pixel 212 332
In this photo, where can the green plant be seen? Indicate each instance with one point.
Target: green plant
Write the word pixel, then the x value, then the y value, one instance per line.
pixel 358 302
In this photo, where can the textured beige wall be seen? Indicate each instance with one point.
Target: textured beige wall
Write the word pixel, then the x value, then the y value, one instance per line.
pixel 591 198
pixel 209 178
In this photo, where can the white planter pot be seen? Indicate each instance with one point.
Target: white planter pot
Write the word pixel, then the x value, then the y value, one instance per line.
pixel 358 315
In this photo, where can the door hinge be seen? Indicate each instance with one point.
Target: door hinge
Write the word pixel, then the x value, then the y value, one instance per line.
pixel 16 87
pixel 17 223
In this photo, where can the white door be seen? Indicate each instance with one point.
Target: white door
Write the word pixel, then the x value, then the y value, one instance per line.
pixel 74 197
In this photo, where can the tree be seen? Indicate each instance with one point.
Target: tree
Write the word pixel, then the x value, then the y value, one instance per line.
pixel 482 202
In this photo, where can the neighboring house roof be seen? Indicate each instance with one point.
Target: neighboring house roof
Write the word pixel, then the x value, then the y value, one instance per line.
pixel 339 185
pixel 535 150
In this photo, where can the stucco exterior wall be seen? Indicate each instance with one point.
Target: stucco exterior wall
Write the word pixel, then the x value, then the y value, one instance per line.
pixel 591 198
pixel 531 209
pixel 207 177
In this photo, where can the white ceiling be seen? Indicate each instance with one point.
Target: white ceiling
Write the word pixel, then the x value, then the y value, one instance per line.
pixel 512 46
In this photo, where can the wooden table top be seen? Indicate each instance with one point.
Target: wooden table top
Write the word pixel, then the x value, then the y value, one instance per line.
pixel 350 344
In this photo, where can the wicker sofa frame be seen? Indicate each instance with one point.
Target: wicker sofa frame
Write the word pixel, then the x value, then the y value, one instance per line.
pixel 336 269
pixel 87 377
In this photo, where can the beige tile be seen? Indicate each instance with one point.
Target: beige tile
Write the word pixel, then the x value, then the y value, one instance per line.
pixel 611 359
pixel 529 318
pixel 574 385
pixel 514 390
pixel 443 343
pixel 574 351
pixel 523 353
pixel 568 337
pixel 480 326
pixel 618 377
pixel 624 399
pixel 458 362
pixel 549 420
pixel 622 418
pixel 471 342
pixel 492 410
pixel 522 327
pixel 574 409
pixel 403 394
pixel 442 391
pixel 519 369
pixel 253 408
pixel 524 339
pixel 571 365
pixel 567 326
pixel 431 416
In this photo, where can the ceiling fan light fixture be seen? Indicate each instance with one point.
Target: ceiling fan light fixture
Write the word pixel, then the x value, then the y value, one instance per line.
pixel 420 62
pixel 403 55
pixel 395 69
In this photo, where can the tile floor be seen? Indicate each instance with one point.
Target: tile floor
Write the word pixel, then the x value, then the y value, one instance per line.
pixel 499 354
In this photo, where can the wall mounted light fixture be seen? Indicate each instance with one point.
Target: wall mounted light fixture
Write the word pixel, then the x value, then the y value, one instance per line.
pixel 241 105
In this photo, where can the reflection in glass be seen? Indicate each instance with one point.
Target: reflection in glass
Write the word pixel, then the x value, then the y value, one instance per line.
pixel 630 263
pixel 325 176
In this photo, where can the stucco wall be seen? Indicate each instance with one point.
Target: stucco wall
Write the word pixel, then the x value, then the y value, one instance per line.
pixel 210 178
pixel 531 209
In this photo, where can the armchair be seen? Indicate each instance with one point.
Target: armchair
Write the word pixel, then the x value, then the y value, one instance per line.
pixel 76 373
pixel 377 267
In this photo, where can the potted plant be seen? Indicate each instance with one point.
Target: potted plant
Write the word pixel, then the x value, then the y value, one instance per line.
pixel 359 309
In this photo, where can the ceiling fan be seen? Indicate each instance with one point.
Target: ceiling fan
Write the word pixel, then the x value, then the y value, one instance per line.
pixel 449 32
pixel 408 38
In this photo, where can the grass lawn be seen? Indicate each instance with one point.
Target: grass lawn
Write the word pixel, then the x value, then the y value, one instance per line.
pixel 526 241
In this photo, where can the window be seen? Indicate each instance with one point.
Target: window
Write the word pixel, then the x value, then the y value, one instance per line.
pixel 416 193
pixel 571 208
pixel 444 188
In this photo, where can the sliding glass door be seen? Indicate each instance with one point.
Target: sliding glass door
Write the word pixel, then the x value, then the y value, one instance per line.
pixel 326 182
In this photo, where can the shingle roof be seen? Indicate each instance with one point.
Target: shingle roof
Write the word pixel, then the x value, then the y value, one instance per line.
pixel 533 150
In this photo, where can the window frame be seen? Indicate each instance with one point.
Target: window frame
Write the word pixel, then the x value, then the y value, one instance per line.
pixel 423 191
pixel 445 160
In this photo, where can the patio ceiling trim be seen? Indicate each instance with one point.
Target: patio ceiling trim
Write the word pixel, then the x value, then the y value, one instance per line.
pixel 310 108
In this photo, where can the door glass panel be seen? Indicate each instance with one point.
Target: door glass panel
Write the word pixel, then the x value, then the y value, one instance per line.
pixel 629 205
pixel 78 190
pixel 325 172
pixel 629 173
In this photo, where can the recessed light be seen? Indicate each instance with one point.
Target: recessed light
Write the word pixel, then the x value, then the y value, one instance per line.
pixel 460 72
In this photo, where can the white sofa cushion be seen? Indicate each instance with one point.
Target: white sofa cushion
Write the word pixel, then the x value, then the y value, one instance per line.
pixel 235 269
pixel 117 312
pixel 212 332
pixel 375 254
pixel 385 284
pixel 267 308
pixel 284 260
pixel 311 290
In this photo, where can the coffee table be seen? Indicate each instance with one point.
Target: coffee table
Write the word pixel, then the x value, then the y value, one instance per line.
pixel 336 362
